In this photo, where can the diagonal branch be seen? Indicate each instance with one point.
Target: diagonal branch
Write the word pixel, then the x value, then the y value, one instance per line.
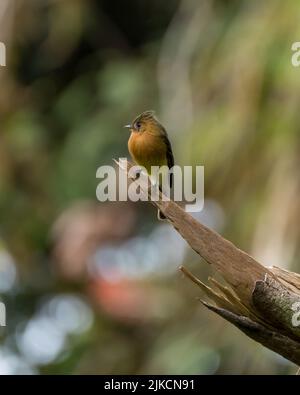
pixel 260 301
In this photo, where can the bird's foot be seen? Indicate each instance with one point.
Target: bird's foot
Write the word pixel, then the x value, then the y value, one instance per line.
pixel 137 174
pixel 160 216
pixel 154 182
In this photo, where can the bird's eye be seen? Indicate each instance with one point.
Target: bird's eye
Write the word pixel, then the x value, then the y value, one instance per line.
pixel 138 125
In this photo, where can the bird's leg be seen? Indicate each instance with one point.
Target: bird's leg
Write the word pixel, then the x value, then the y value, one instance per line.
pixel 137 174
pixel 153 180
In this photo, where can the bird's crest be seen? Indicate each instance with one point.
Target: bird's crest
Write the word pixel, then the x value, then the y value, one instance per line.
pixel 145 116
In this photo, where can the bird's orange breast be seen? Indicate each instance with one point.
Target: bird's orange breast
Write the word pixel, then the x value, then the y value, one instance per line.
pixel 147 150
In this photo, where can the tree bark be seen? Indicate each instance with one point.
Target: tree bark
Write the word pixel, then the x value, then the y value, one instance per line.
pixel 263 302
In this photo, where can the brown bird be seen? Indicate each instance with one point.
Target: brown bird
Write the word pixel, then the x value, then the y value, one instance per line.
pixel 149 144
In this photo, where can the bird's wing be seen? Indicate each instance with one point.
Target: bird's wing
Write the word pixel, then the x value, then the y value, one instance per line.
pixel 170 157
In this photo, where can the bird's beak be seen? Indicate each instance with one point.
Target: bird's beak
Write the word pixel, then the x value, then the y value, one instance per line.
pixel 128 126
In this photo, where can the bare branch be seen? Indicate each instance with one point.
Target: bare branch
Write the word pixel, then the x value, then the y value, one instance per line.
pixel 259 300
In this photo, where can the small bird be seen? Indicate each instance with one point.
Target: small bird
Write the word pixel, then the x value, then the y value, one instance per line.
pixel 149 145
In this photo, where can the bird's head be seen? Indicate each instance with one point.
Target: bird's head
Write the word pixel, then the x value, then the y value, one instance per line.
pixel 146 121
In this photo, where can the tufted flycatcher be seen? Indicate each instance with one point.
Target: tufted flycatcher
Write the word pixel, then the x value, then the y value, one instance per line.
pixel 149 144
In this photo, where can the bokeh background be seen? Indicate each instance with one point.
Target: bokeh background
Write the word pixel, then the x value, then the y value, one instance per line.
pixel 94 288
